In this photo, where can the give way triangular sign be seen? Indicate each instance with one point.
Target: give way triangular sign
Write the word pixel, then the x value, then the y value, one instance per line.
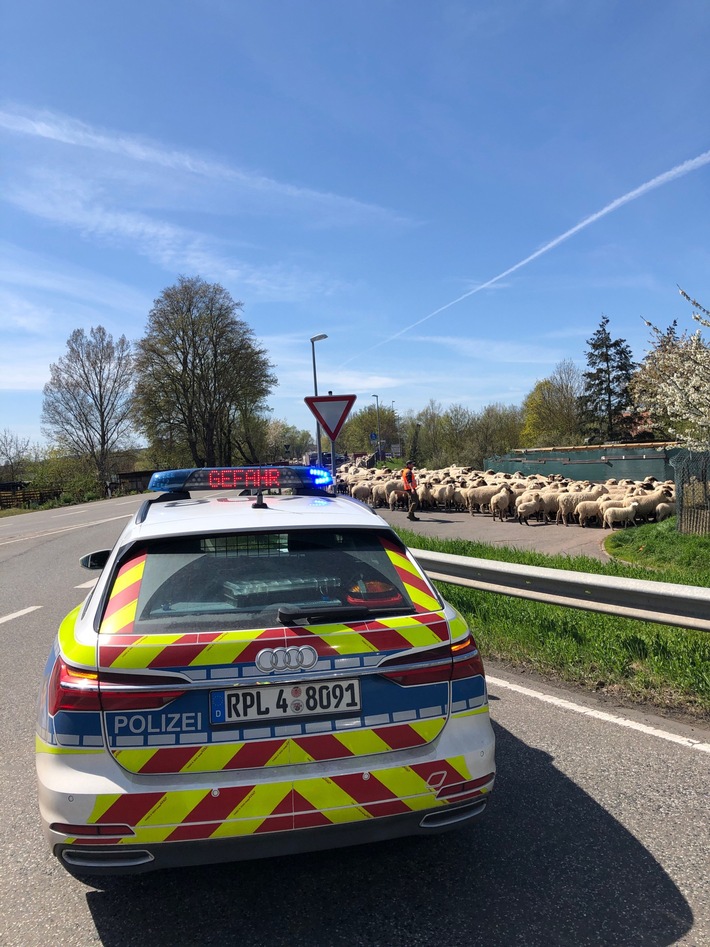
pixel 330 411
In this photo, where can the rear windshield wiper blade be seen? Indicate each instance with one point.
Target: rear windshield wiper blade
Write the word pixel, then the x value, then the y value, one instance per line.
pixel 288 614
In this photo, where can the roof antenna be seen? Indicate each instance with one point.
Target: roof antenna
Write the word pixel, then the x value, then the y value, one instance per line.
pixel 259 503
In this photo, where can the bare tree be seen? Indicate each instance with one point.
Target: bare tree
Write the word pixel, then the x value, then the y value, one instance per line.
pixel 87 399
pixel 13 454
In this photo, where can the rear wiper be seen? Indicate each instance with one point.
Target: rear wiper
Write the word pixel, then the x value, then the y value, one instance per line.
pixel 288 614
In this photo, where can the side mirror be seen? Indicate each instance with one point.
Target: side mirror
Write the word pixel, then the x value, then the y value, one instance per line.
pixel 95 560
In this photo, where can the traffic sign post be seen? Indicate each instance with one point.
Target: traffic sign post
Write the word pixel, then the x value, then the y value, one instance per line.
pixel 331 412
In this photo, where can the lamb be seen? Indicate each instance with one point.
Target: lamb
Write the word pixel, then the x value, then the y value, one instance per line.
pixel 530 508
pixel 621 515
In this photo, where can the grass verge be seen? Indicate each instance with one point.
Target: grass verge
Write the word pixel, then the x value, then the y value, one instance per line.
pixel 632 661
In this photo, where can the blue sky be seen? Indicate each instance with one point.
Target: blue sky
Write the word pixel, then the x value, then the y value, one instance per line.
pixel 455 192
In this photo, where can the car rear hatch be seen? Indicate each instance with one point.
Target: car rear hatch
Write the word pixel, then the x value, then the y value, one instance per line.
pixel 224 653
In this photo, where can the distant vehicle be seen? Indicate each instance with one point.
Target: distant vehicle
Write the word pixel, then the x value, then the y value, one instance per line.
pixel 262 668
pixel 339 459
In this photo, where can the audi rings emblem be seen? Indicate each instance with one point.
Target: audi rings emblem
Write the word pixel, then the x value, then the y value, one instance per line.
pixel 287 659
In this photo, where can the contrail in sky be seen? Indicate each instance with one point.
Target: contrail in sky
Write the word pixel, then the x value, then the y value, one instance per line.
pixel 679 171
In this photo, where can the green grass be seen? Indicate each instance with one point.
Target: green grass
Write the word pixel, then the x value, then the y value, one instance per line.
pixel 633 661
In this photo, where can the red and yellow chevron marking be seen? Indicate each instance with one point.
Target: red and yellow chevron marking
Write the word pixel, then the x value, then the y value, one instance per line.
pixel 120 611
pixel 123 651
pixel 277 806
pixel 196 649
pixel 417 587
pixel 216 757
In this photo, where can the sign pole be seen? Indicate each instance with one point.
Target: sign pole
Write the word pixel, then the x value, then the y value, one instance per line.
pixel 331 411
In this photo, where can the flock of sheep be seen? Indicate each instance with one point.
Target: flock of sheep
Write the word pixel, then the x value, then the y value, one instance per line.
pixel 517 496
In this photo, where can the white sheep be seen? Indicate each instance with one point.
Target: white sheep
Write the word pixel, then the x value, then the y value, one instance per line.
pixel 501 502
pixel 530 508
pixel 664 510
pixel 567 503
pixel 620 515
pixel 361 492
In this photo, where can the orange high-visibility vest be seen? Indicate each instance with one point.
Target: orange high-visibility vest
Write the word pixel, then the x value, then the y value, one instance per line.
pixel 409 479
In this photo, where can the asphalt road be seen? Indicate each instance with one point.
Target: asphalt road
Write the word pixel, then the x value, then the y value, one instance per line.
pixel 598 832
pixel 539 537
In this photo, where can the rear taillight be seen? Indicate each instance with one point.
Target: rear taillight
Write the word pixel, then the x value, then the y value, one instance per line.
pixel 71 689
pixel 449 662
pixel 76 689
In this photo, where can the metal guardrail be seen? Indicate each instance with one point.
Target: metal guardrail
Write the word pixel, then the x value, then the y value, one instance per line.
pixel 684 606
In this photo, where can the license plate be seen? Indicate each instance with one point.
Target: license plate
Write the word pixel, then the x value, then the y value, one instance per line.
pixel 281 702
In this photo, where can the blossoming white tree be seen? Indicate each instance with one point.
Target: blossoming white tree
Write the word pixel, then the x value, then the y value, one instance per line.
pixel 673 383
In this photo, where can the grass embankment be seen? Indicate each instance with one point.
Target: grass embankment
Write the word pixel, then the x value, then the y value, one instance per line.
pixel 633 661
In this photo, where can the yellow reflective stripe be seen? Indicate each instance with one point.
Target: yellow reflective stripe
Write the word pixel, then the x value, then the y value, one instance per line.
pixel 472 713
pixel 143 651
pixel 101 806
pixel 75 652
pixel 403 782
pixel 402 562
pixel 256 806
pixel 113 624
pixel 362 742
pixel 237 827
pixel 329 799
pixel 419 636
pixel 170 810
pixel 460 765
pixel 343 639
pixel 421 598
pixel 459 627
pixel 428 729
pixel 297 754
pixel 225 649
pixel 134 760
pixel 41 746
pixel 210 757
pixel 129 577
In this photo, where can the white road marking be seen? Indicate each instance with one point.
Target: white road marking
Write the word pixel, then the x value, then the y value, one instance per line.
pixel 601 715
pixel 87 585
pixel 23 611
pixel 70 513
pixel 63 529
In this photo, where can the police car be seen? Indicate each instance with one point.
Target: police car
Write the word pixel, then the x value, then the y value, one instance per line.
pixel 262 668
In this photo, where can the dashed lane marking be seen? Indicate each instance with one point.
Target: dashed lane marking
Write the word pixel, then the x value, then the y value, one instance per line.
pixel 63 529
pixel 601 715
pixel 23 611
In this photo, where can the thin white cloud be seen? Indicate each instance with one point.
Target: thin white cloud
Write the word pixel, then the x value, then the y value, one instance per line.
pixel 680 170
pixel 63 199
pixel 69 131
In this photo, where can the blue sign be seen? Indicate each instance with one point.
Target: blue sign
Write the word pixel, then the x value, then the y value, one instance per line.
pixel 373 437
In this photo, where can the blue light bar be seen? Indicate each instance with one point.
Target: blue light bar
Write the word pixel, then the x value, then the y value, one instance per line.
pixel 253 479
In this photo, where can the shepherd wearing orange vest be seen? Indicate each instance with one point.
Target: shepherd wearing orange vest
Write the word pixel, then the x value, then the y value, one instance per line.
pixel 410 488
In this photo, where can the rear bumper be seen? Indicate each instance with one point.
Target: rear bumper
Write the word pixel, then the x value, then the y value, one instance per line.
pixel 84 861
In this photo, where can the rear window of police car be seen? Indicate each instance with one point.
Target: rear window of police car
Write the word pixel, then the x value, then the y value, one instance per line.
pixel 241 580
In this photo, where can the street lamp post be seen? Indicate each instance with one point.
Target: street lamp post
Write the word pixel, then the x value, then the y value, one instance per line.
pixel 317 338
pixel 377 403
